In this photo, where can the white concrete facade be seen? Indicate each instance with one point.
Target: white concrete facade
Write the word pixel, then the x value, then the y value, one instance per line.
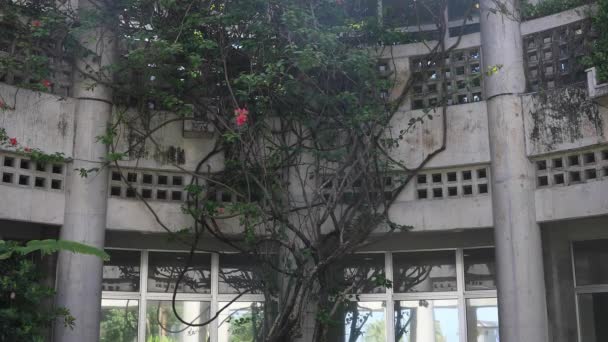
pixel 525 205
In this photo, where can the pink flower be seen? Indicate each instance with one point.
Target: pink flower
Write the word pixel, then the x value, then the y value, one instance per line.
pixel 2 104
pixel 36 23
pixel 241 116
pixel 13 141
pixel 27 149
pixel 220 210
pixel 46 83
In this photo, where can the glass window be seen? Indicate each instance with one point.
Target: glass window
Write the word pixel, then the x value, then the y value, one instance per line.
pixel 118 320
pixel 479 269
pixel 591 262
pixel 163 326
pixel 164 269
pixel 426 320
pixel 241 321
pixel 424 271
pixel 364 273
pixel 121 272
pixel 593 315
pixel 361 321
pixel 482 320
pixel 240 273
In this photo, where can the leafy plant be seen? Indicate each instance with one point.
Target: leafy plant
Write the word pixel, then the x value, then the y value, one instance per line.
pixel 599 51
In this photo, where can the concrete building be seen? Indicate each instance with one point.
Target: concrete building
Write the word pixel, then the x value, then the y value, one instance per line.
pixel 510 221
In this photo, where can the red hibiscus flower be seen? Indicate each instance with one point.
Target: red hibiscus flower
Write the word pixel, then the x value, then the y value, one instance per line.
pixel 46 83
pixel 36 23
pixel 27 149
pixel 13 141
pixel 241 116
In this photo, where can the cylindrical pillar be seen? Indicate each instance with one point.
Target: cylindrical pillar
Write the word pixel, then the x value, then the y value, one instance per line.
pixel 79 276
pixel 519 262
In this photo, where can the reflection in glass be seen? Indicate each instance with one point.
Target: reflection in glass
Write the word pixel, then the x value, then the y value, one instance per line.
pixel 426 320
pixel 363 273
pixel 424 271
pixel 240 273
pixel 118 320
pixel 482 320
pixel 241 322
pixel 164 269
pixel 479 269
pixel 121 272
pixel 163 326
pixel 360 322
pixel 591 262
pixel 593 315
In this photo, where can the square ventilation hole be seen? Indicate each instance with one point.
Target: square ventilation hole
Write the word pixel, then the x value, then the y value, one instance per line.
pixel 178 180
pixel 467 190
pixel 56 184
pixel 437 177
pixel 24 164
pixel 116 176
pixel 558 179
pixel 132 177
pixel 452 176
pixel 7 177
pixel 147 178
pixel 589 158
pixel 24 180
pixel 131 193
pixel 606 171
pixel 39 182
pixel 115 191
pixel 452 191
pixel 466 175
pixel 176 195
pixel 9 161
pixel 481 174
pixel 388 181
pixel 541 165
pixel 41 167
pixel 146 193
pixel 421 179
pixel 422 194
pixel 162 180
pixel 438 193
pixel 57 168
pixel 573 160
pixel 605 154
pixel 161 194
pixel 590 174
pixel 226 198
pixel 575 176
pixel 482 188
pixel 543 181
pixel 558 163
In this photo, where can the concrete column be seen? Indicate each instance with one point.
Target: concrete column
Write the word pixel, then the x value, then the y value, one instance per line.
pixel 79 276
pixel 521 287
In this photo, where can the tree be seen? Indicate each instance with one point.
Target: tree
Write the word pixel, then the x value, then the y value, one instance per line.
pixel 299 111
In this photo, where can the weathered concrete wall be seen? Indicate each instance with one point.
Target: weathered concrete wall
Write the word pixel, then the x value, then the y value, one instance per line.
pixel 26 204
pixel 562 119
pixel 39 120
pixel 575 201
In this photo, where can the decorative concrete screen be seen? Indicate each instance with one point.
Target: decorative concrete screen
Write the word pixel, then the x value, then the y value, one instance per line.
pixel 21 171
pixel 461 76
pixel 572 168
pixel 552 57
pixel 60 68
pixel 453 183
pixel 150 185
